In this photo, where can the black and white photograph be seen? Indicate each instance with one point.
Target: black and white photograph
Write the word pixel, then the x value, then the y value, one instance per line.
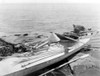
pixel 49 38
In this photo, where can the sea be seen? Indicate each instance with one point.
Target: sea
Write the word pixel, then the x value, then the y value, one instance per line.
pixel 52 17
pixel 47 17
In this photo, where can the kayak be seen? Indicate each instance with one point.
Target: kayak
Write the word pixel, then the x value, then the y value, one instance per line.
pixel 23 64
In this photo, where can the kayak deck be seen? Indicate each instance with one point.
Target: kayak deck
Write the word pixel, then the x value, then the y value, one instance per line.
pixel 55 53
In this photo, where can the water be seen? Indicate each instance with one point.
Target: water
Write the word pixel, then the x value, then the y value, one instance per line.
pixel 47 17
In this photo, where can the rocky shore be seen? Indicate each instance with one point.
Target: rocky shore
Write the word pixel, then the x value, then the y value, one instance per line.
pixel 89 66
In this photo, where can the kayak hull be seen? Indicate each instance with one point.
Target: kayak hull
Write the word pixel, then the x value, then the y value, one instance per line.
pixel 27 69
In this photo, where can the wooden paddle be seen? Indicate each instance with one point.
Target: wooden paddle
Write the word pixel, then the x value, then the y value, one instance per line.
pixel 84 56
